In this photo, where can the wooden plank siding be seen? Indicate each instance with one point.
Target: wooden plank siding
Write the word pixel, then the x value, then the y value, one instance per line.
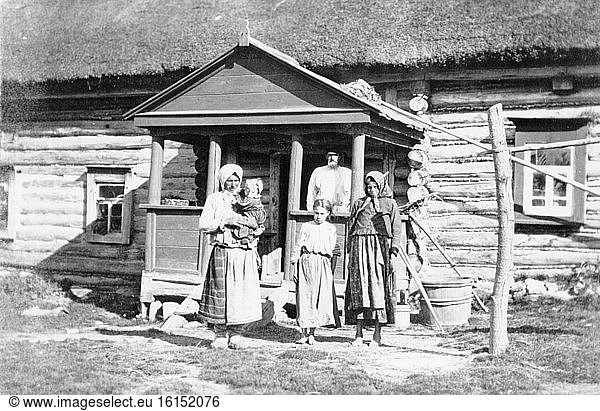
pixel 252 82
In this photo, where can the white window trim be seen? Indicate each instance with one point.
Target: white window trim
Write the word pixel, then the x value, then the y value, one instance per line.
pixel 579 166
pixel 97 175
pixel 549 209
pixel 11 225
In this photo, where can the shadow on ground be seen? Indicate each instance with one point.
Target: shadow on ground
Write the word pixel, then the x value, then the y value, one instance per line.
pixel 153 333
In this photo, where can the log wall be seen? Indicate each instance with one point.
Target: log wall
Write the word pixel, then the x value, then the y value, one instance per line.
pixel 50 161
pixel 465 221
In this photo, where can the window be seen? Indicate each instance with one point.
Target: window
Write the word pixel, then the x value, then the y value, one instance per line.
pixel 7 211
pixel 109 205
pixel 540 198
pixel 542 194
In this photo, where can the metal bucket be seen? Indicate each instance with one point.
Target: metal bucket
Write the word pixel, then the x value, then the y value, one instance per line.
pixel 402 316
pixel 450 299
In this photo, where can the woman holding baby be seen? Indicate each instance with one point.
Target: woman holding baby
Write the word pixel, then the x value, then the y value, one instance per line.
pixel 231 294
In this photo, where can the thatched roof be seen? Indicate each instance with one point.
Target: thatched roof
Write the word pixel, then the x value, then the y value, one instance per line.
pixel 70 39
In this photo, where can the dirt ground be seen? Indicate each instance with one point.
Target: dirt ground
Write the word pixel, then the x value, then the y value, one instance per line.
pixel 417 349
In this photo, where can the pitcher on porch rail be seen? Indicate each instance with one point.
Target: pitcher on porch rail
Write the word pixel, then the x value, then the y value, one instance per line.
pixel 231 294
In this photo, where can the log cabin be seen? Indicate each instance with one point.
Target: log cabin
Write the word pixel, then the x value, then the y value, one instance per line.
pixel 74 174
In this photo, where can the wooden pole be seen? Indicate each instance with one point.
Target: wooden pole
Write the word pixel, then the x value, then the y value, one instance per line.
pixel 417 278
pixel 214 163
pixel 296 156
pixel 358 167
pixel 512 158
pixel 448 258
pixel 506 221
pixel 156 167
pixel 559 144
pixel 155 186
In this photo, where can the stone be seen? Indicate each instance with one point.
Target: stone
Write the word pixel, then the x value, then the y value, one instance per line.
pixel 25 274
pixel 40 312
pixel 535 286
pixel 278 295
pixel 188 306
pixel 560 295
pixel 153 310
pixel 80 292
pixel 516 286
pixel 173 322
pixel 168 308
pixel 551 287
pixel 519 295
pixel 193 324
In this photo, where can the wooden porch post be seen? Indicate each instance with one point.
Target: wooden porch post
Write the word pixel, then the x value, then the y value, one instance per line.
pixel 214 163
pixel 155 186
pixel 358 167
pixel 156 169
pixel 293 200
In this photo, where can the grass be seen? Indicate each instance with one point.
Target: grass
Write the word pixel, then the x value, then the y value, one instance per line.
pixel 91 367
pixel 552 342
pixel 18 293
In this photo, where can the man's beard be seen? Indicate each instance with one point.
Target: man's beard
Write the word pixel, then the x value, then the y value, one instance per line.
pixel 332 164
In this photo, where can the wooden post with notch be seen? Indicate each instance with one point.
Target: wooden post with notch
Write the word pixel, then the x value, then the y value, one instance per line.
pixel 296 155
pixel 506 222
pixel 358 167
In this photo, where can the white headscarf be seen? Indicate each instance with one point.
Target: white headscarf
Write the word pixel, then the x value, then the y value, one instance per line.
pixel 227 171
pixel 381 180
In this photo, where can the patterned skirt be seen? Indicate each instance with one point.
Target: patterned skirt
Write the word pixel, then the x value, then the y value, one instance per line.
pixel 314 291
pixel 370 287
pixel 231 293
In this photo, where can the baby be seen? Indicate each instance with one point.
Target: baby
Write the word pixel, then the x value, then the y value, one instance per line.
pixel 249 205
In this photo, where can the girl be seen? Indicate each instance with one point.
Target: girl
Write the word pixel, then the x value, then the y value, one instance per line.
pixel 374 236
pixel 314 279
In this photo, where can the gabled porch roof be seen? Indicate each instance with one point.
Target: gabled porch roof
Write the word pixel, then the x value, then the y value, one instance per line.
pixel 253 86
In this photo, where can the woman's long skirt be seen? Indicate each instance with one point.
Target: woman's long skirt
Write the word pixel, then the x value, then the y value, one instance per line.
pixel 231 293
pixel 314 291
pixel 370 288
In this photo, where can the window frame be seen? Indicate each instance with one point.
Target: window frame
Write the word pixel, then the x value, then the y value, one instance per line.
pixel 108 175
pixel 9 232
pixel 528 214
pixel 549 209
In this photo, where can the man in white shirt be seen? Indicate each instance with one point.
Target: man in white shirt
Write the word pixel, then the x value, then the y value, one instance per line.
pixel 331 182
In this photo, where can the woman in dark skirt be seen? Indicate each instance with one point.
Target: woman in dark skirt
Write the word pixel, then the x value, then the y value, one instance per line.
pixel 374 236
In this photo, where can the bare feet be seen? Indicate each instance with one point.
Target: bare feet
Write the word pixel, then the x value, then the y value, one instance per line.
pixel 374 344
pixel 358 342
pixel 236 342
pixel 302 340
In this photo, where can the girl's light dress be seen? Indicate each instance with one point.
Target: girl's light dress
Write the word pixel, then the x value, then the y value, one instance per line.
pixel 314 285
